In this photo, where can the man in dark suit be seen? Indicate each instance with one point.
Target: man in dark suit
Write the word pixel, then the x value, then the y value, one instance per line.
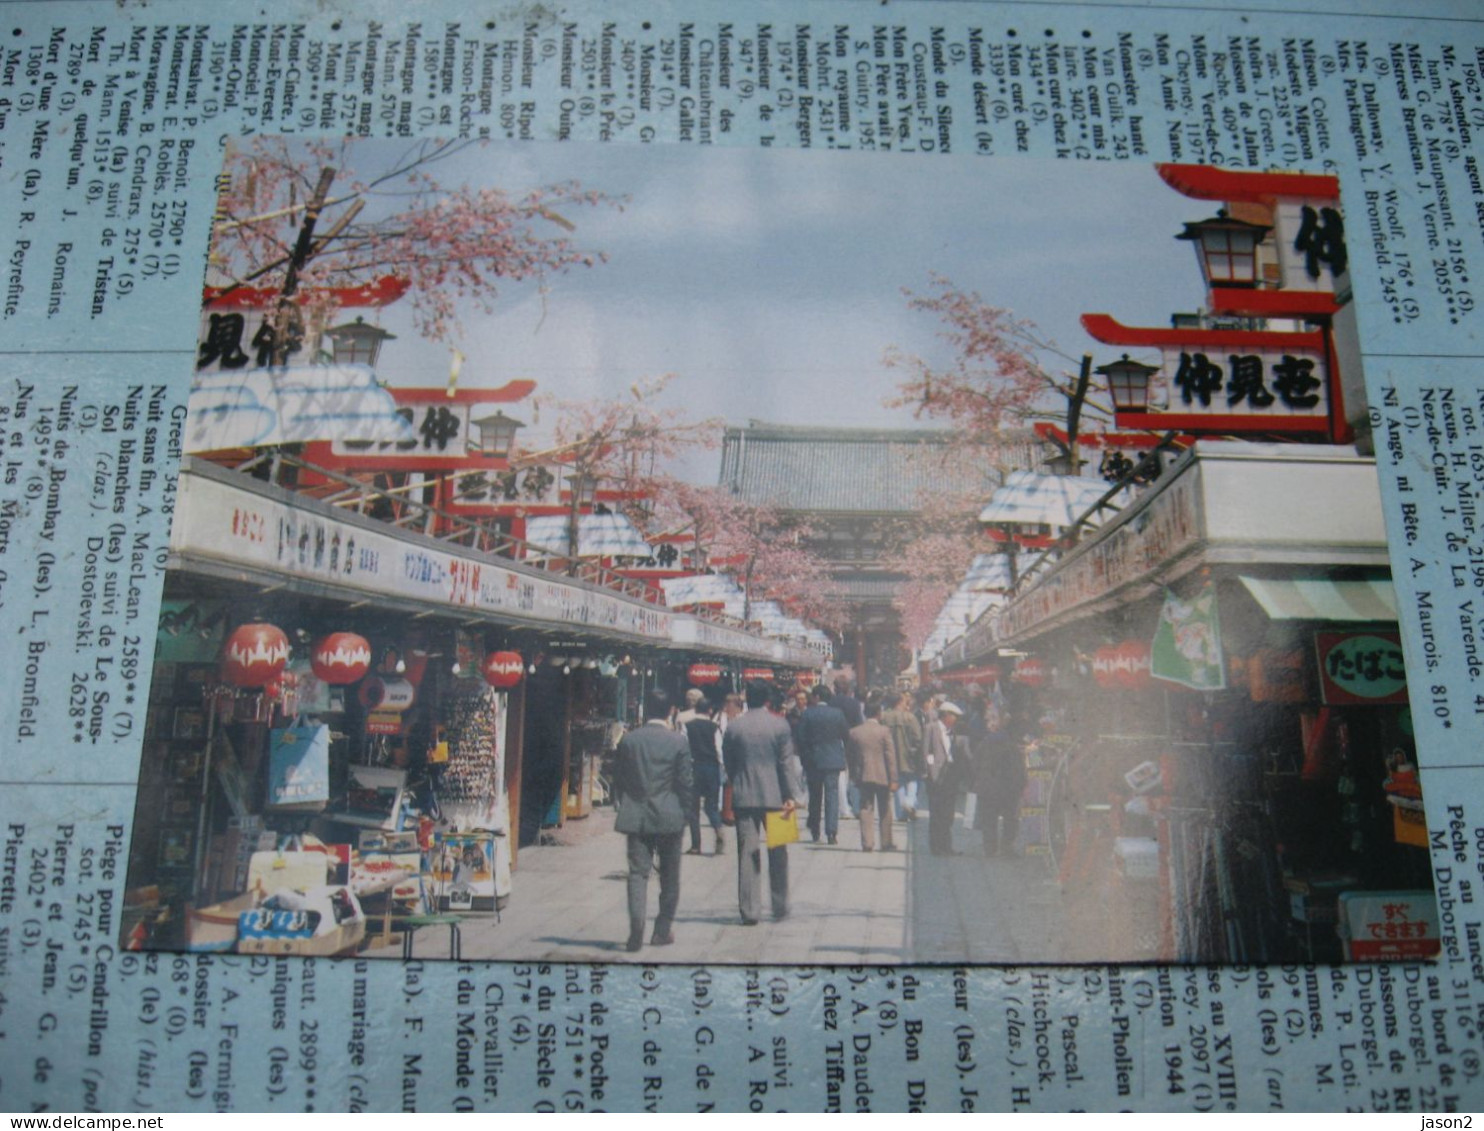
pixel 758 753
pixel 946 758
pixel 823 730
pixel 652 786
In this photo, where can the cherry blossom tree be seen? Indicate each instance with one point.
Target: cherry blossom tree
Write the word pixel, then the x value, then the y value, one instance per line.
pixel 297 217
pixel 1001 376
pixel 628 441
pixel 758 545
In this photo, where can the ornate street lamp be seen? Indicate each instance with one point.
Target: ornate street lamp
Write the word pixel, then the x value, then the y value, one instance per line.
pixel 1226 249
pixel 497 434
pixel 1128 382
pixel 357 343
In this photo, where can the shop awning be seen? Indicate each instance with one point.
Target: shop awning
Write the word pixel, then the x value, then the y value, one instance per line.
pixel 1051 500
pixel 1325 600
pixel 598 536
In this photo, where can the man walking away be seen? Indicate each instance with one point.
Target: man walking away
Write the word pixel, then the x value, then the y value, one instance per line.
pixel 705 753
pixel 758 754
pixel 872 757
pixel 906 736
pixel 822 734
pixel 653 791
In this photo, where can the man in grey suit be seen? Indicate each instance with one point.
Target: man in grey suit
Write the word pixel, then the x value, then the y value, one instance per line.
pixel 758 753
pixel 652 786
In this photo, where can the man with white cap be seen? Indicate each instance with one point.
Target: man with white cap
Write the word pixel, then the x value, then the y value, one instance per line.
pixel 944 756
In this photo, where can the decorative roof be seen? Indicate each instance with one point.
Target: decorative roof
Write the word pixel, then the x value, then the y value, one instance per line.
pixel 1055 500
pixel 598 536
pixel 988 572
pixel 861 470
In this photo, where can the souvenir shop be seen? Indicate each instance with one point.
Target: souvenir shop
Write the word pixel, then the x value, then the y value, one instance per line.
pixel 1222 710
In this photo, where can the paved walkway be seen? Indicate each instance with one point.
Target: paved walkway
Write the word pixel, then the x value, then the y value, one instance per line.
pixel 848 907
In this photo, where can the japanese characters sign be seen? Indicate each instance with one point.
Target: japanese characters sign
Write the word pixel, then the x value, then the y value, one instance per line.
pixel 1361 668
pixel 1389 926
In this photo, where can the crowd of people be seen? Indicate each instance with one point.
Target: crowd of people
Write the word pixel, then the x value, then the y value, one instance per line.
pixel 890 755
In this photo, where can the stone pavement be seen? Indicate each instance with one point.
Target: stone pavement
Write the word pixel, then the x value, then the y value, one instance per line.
pixel 847 907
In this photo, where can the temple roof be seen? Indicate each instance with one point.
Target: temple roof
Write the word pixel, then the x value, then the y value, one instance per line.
pixel 844 470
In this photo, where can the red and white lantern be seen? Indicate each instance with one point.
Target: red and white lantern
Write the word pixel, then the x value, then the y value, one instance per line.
pixel 340 658
pixel 703 675
pixel 502 669
pixel 751 674
pixel 1030 671
pixel 254 655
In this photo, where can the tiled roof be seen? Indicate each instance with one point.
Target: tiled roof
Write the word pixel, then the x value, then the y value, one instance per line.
pixel 863 470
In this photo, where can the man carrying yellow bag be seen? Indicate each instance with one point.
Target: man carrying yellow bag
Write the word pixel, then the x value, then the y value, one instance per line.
pixel 758 752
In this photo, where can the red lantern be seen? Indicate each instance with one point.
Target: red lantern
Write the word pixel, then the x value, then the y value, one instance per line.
pixel 1133 664
pixel 703 674
pixel 254 655
pixel 502 669
pixel 750 675
pixel 1030 671
pixel 341 657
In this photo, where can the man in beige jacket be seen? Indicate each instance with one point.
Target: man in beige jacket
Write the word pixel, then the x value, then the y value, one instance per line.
pixel 871 757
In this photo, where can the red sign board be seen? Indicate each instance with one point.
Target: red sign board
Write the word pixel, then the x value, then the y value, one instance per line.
pixel 1389 926
pixel 750 674
pixel 1361 669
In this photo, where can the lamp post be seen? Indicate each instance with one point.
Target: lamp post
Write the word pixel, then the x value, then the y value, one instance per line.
pixel 582 488
pixel 1226 249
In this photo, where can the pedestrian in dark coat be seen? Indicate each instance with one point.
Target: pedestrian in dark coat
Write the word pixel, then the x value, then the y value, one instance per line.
pixel 652 788
pixel 757 751
pixel 822 733
pixel 999 781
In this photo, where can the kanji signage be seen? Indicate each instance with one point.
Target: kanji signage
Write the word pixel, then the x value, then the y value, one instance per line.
pixel 1389 926
pixel 1227 380
pixel 1308 237
pixel 1361 668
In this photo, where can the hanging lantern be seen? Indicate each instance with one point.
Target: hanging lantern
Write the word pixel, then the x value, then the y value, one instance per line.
pixel 341 657
pixel 503 669
pixel 704 674
pixel 254 655
pixel 1133 664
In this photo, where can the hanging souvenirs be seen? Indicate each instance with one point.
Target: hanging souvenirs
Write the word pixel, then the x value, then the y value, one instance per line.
pixel 254 655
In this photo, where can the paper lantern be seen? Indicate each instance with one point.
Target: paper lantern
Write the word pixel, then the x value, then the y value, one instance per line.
pixel 750 675
pixel 1030 671
pixel 502 669
pixel 341 657
pixel 1133 664
pixel 254 655
pixel 703 674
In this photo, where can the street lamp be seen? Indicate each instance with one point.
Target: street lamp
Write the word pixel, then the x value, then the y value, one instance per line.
pixel 357 343
pixel 582 487
pixel 1226 249
pixel 1128 383
pixel 497 434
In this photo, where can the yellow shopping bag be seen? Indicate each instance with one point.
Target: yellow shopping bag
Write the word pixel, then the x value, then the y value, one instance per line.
pixel 782 828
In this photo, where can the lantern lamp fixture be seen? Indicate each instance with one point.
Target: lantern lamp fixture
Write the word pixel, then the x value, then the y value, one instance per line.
pixel 1128 382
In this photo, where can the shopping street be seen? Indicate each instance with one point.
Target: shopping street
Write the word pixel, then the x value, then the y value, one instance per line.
pixel 848 907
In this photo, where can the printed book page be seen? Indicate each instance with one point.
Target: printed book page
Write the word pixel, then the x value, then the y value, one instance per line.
pixel 936 543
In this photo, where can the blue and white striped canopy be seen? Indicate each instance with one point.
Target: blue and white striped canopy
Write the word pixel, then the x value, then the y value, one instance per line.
pixel 598 536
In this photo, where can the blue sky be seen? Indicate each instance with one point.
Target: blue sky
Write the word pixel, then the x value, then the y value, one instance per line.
pixel 770 281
